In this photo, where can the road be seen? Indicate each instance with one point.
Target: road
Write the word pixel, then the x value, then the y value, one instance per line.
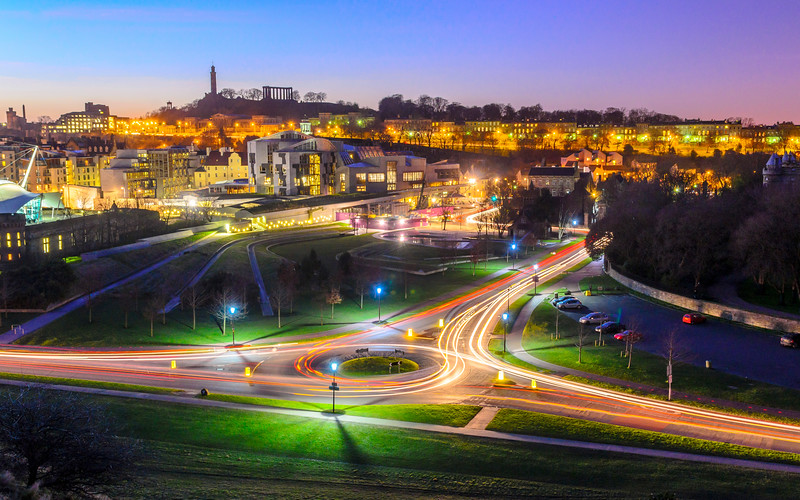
pixel 456 367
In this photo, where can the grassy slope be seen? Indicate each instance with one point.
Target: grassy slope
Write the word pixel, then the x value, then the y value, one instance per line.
pixel 225 450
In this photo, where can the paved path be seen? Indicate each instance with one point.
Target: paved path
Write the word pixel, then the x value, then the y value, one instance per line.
pixel 443 429
pixel 482 418
pixel 266 307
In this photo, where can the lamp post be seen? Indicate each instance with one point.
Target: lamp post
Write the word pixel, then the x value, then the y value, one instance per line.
pixel 505 330
pixel 378 290
pixel 514 258
pixel 233 330
pixel 535 277
pixel 333 386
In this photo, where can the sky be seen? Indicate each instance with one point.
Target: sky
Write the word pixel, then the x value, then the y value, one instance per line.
pixel 707 59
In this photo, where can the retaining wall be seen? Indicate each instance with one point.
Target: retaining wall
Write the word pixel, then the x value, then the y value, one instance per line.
pixel 709 308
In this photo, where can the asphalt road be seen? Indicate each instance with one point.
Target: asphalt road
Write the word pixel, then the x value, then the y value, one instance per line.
pixel 737 350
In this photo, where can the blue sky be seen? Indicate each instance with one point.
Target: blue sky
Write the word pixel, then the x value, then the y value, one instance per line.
pixel 706 59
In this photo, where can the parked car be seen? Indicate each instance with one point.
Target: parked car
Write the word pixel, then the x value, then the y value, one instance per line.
pixel 556 300
pixel 628 334
pixel 569 304
pixel 610 327
pixel 595 318
pixel 694 318
pixel 791 340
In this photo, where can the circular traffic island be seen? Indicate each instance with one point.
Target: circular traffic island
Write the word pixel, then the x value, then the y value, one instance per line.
pixel 371 366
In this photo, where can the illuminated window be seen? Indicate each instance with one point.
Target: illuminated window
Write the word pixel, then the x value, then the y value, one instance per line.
pixel 60 243
pixel 46 245
pixel 8 240
pixel 9 256
pixel 376 177
pixel 361 179
pixel 412 176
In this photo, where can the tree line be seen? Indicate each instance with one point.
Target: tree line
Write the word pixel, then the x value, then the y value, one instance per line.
pixel 688 240
pixel 439 108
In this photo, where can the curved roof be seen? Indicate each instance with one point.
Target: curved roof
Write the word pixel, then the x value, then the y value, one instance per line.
pixel 13 197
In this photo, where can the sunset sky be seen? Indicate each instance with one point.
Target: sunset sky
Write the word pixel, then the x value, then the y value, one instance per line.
pixel 704 59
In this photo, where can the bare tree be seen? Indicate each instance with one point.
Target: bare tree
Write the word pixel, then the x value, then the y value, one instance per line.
pixel 447 214
pixel 673 350
pixel 332 294
pixel 150 310
pixel 89 282
pixel 62 441
pixel 128 297
pixel 193 297
pixel 565 216
pixel 221 303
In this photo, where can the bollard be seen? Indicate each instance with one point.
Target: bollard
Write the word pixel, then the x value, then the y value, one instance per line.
pixel 533 384
pixel 246 371
pixel 500 375
pixel 708 364
pixel 172 364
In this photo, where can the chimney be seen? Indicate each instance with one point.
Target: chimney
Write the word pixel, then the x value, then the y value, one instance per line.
pixel 23 113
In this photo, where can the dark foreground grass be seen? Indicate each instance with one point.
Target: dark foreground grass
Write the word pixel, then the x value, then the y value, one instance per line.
pixel 646 369
pixel 452 415
pixel 218 453
pixel 541 424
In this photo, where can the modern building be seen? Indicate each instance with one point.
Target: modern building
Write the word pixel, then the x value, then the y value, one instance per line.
pixel 290 163
pixel 148 173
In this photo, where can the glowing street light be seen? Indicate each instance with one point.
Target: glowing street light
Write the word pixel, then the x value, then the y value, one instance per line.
pixel 233 330
pixel 505 330
pixel 514 259
pixel 535 277
pixel 378 291
pixel 333 386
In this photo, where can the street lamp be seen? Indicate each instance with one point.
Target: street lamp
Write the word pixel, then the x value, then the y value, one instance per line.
pixel 505 330
pixel 333 386
pixel 535 277
pixel 378 291
pixel 233 330
pixel 514 259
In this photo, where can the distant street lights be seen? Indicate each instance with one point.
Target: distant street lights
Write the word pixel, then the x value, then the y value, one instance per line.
pixel 535 277
pixel 378 291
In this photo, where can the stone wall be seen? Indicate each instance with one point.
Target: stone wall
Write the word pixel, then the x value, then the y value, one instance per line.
pixel 709 308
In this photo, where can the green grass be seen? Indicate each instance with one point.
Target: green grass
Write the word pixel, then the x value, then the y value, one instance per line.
pixel 376 365
pixel 219 453
pixel 604 281
pixel 766 296
pixel 452 415
pixel 540 424
pixel 646 368
pixel 115 386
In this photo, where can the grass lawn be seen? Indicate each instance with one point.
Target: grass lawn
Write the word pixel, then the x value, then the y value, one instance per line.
pixel 603 284
pixel 219 453
pixel 36 379
pixel 452 415
pixel 767 297
pixel 376 365
pixel 541 424
pixel 646 368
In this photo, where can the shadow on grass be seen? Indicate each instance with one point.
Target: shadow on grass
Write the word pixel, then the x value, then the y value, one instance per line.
pixel 351 451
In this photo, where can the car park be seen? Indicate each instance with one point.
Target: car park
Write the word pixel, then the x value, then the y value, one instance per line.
pixel 556 300
pixel 595 318
pixel 694 318
pixel 791 340
pixel 610 327
pixel 569 304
